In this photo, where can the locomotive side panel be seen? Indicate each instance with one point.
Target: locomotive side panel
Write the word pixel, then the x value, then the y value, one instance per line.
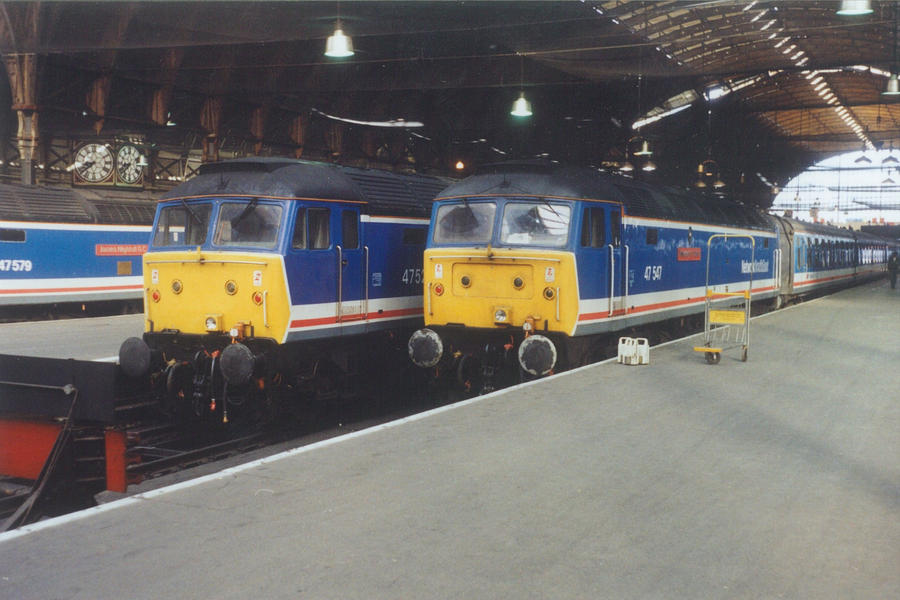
pixel 666 274
pixel 50 262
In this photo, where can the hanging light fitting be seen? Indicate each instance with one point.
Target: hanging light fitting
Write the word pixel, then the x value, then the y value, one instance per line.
pixel 339 45
pixel 521 107
pixel 853 8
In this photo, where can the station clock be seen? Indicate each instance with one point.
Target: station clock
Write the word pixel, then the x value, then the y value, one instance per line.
pixel 128 168
pixel 94 163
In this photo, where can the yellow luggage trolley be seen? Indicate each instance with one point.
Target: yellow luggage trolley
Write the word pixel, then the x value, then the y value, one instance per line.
pixel 728 324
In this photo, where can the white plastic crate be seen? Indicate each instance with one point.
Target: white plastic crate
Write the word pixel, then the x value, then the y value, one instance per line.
pixel 634 351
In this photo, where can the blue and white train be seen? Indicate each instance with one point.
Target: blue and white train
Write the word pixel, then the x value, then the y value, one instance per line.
pixel 59 246
pixel 542 263
pixel 273 281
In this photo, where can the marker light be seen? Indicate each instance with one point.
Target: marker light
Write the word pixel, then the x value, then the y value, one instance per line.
pixel 155 295
pixel 439 289
pixel 257 298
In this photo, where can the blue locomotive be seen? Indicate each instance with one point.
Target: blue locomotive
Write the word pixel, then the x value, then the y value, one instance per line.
pixel 272 281
pixel 59 246
pixel 533 266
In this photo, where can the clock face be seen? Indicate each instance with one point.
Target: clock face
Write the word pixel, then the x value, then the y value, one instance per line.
pixel 94 162
pixel 127 167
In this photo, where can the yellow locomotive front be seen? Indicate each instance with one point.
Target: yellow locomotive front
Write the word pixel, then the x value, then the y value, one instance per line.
pixel 215 299
pixel 499 284
pixel 219 288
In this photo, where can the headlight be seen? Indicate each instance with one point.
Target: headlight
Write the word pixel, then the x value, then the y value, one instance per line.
pixel 212 324
pixel 177 286
pixel 230 287
pixel 500 315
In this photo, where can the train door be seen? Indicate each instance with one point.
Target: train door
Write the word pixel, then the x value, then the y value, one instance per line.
pixel 600 265
pixel 351 264
pixel 617 267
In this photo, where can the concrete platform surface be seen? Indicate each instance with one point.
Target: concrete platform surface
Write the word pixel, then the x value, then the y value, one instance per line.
pixel 91 338
pixel 775 478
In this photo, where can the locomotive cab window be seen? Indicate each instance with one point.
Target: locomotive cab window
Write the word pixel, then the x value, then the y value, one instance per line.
pixel 615 227
pixel 535 223
pixel 350 229
pixel 311 229
pixel 464 222
pixel 652 236
pixel 182 225
pixel 592 226
pixel 248 224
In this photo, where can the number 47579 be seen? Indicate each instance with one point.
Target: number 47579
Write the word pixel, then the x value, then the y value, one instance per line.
pixel 7 264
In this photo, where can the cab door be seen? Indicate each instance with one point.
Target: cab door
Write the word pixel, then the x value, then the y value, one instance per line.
pixel 617 266
pixel 601 266
pixel 351 266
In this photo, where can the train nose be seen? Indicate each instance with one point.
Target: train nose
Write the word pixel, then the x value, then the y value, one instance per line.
pixel 425 348
pixel 537 355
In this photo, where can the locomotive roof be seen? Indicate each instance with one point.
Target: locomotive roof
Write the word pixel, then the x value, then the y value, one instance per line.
pixel 33 203
pixel 639 198
pixel 383 192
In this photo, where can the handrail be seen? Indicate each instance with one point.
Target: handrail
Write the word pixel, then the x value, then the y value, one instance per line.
pixel 366 283
pixel 340 280
pixel 625 280
pixel 612 277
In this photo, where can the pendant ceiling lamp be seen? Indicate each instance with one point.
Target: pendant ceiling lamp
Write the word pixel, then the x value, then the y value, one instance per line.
pixel 853 8
pixel 521 107
pixel 338 44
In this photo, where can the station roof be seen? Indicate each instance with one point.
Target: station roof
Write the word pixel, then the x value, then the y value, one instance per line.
pixel 763 88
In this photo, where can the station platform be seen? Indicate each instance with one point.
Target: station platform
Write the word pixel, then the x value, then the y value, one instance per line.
pixel 91 338
pixel 774 478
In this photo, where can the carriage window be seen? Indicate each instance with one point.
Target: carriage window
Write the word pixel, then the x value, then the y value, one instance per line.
pixel 182 225
pixel 471 222
pixel 319 220
pixel 248 224
pixel 652 236
pixel 12 235
pixel 592 228
pixel 535 223
pixel 350 229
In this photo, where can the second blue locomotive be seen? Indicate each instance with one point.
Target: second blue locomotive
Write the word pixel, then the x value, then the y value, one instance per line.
pixel 535 265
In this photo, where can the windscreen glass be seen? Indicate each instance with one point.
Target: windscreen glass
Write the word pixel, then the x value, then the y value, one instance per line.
pixel 465 223
pixel 537 223
pixel 182 224
pixel 248 223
